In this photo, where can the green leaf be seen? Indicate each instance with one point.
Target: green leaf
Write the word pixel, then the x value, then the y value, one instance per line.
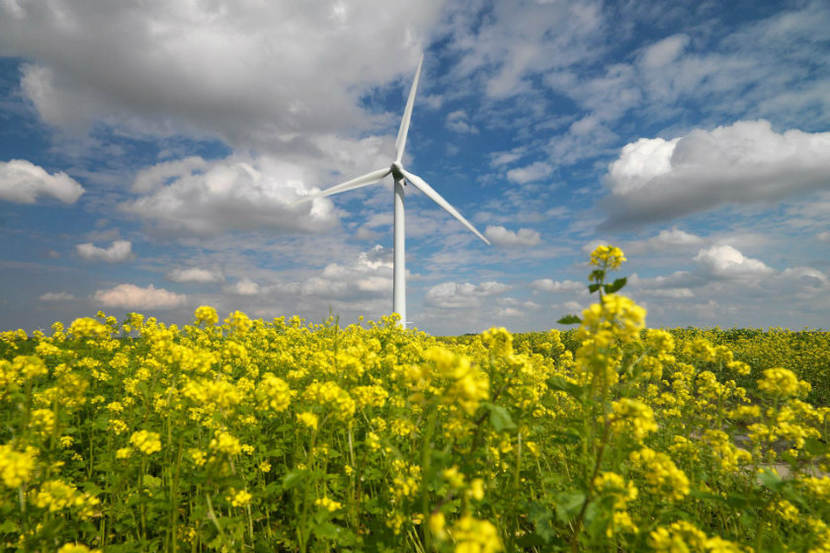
pixel 567 436
pixel 769 479
pixel 558 383
pixel 542 519
pixel 294 479
pixel 500 418
pixel 569 320
pixel 568 505
pixel 593 287
pixel 614 286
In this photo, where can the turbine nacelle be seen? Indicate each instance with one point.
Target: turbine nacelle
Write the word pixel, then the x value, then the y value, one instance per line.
pixel 397 171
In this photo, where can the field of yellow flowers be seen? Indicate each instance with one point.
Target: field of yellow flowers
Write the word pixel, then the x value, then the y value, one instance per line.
pixel 286 436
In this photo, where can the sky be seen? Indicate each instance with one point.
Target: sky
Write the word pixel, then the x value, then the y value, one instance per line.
pixel 153 153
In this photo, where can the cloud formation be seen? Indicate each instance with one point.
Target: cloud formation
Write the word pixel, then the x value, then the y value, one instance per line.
pixel 248 72
pixel 24 182
pixel 208 198
pixel 244 287
pixel 533 172
pixel 550 285
pixel 500 236
pixel 119 250
pixel 725 261
pixel 452 295
pixel 747 162
pixel 130 296
pixel 56 297
pixel 195 274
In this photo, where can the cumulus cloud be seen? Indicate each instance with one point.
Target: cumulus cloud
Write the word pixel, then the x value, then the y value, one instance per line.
pixel 726 261
pixel 533 172
pixel 666 240
pixel 119 250
pixel 747 162
pixel 244 287
pixel 211 67
pixel 235 193
pixel 368 276
pixel 500 236
pixel 130 296
pixel 195 274
pixel 56 297
pixel 550 285
pixel 24 182
pixel 452 295
pixel 459 122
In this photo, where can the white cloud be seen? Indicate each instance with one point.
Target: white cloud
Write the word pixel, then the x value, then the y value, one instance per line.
pixel 195 274
pixel 153 178
pixel 503 237
pixel 244 287
pixel 667 240
pixel 533 172
pixel 549 285
pixel 130 296
pixel 119 250
pixel 459 122
pixel 211 67
pixel 498 159
pixel 229 194
pixel 452 295
pixel 23 182
pixel 367 277
pixel 56 296
pixel 518 40
pixel 726 261
pixel 657 179
pixel 823 236
pixel 674 293
pixel 665 51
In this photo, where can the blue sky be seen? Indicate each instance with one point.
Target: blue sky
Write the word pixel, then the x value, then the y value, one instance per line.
pixel 151 154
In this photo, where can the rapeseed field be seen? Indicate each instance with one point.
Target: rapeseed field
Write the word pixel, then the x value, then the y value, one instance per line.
pixel 281 435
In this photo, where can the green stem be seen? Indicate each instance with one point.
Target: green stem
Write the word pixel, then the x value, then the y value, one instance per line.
pixel 426 458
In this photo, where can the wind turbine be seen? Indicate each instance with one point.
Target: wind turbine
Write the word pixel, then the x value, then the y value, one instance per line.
pixel 401 176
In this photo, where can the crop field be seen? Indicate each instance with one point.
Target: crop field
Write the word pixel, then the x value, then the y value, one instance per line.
pixel 250 435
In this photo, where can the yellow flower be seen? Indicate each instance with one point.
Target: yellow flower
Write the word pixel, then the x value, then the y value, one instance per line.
pixel 206 315
pixel 224 442
pixel 240 498
pixel 146 442
pixel 16 467
pixel 679 537
pixel 123 453
pixel 475 536
pixel 634 416
pixel 661 474
pixel 328 504
pixel 782 383
pixel 437 523
pixel 77 548
pixel 609 257
pixel 309 419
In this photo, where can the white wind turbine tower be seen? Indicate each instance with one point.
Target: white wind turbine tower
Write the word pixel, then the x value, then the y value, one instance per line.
pixel 401 176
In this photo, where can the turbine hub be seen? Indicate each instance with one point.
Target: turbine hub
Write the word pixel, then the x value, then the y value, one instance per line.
pixel 397 171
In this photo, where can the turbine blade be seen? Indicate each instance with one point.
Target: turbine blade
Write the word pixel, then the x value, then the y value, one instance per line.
pixel 359 182
pixel 421 185
pixel 400 143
